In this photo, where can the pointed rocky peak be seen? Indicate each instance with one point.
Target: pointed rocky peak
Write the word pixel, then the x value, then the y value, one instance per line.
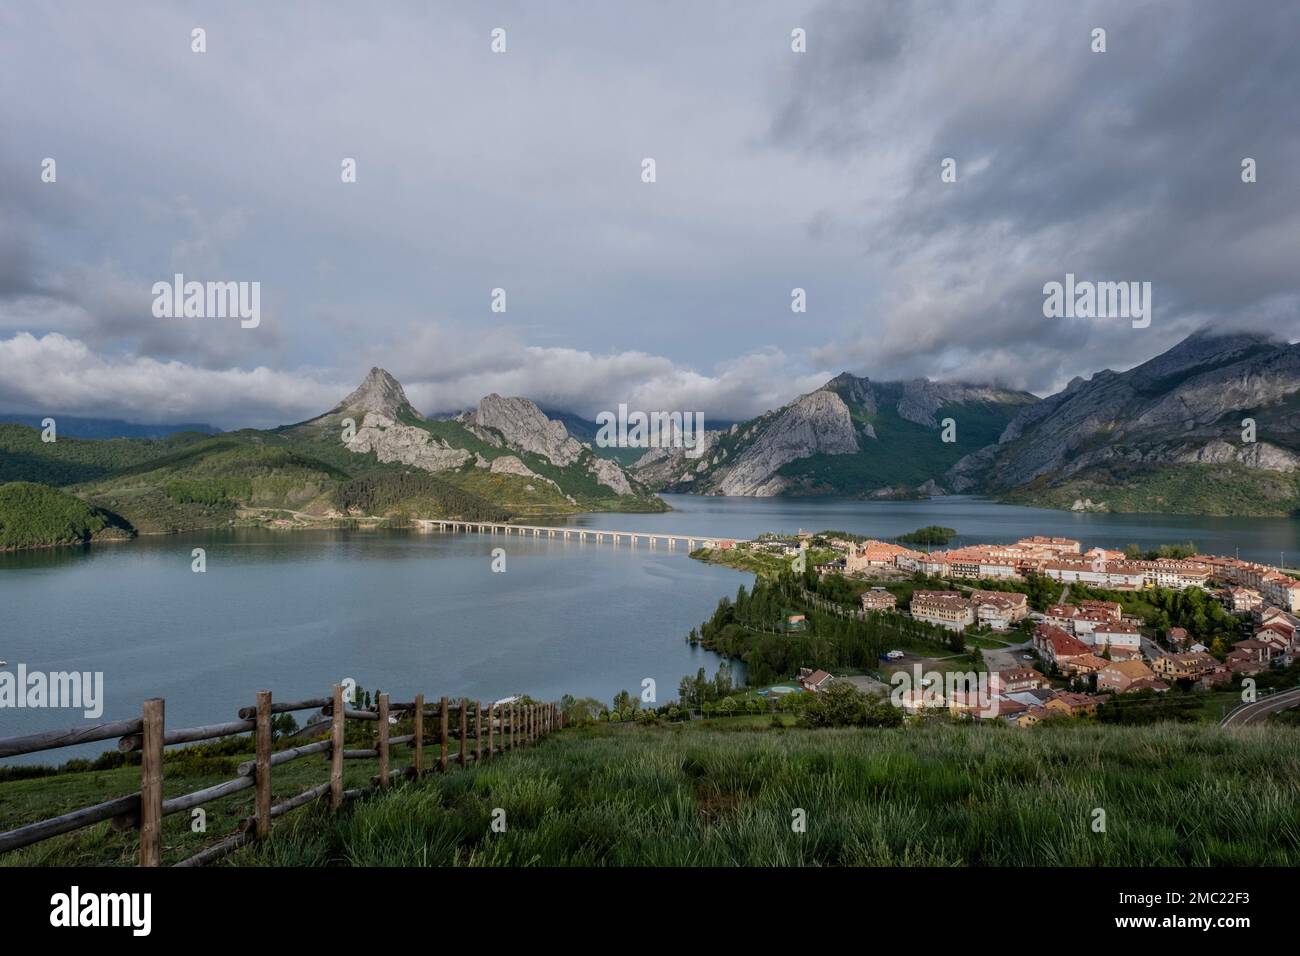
pixel 526 427
pixel 380 393
pixel 853 389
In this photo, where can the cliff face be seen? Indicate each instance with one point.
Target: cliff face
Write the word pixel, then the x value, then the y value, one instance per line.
pixel 522 425
pixel 1184 407
pixel 392 441
pixel 818 422
pixel 852 436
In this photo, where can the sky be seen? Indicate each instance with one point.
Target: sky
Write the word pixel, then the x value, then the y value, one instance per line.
pixel 522 170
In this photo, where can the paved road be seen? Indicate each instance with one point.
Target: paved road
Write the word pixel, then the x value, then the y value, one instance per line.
pixel 1252 713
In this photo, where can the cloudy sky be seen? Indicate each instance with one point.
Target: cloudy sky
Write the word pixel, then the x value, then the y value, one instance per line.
pixel 522 170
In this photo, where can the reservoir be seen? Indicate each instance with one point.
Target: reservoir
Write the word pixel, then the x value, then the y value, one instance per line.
pixel 405 612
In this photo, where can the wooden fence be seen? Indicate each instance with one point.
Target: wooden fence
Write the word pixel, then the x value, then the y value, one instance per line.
pixel 506 725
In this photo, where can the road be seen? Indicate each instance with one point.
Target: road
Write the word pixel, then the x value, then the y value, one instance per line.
pixel 1251 713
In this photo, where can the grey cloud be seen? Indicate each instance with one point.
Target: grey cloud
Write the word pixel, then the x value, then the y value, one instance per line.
pixel 1122 165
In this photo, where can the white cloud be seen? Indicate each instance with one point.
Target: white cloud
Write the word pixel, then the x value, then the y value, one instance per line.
pixel 55 373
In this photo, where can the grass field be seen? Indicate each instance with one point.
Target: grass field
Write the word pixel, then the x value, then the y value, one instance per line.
pixel 724 793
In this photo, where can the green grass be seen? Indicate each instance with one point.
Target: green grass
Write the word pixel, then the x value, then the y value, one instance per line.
pixel 722 793
pixel 186 770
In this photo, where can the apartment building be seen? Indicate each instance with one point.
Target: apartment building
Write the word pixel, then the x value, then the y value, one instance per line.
pixel 944 608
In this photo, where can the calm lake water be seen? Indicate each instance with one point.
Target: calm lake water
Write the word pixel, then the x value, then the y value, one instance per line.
pixel 406 612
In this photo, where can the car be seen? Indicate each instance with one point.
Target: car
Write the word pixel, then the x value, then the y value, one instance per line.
pixel 1026 657
pixel 895 655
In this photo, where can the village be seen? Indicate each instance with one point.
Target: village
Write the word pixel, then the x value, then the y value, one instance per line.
pixel 1069 656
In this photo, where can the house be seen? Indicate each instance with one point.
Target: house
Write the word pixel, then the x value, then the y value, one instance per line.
pixel 1113 610
pixel 1213 678
pixel 1257 650
pixel 944 608
pixel 1178 637
pixel 1015 680
pixel 999 609
pixel 1049 545
pixel 999 707
pixel 878 599
pixel 879 554
pixel 1282 590
pixel 1120 676
pixel 1148 683
pixel 1243 600
pixel 1246 667
pixel 1030 717
pixel 1083 665
pixel 814 681
pixel 1036 697
pixel 1121 640
pixel 834 566
pixel 796 622
pixel 1074 705
pixel 1190 666
pixel 1278 636
pixel 1275 615
pixel 1056 646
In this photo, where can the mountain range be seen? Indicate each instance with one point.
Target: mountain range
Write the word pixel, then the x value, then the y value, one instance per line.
pixel 1211 426
pixel 373 455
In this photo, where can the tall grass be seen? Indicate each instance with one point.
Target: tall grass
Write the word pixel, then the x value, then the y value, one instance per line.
pixel 1173 795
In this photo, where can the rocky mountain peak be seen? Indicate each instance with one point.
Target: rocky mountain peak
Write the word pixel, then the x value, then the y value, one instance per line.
pixel 379 393
pixel 853 389
pixel 525 426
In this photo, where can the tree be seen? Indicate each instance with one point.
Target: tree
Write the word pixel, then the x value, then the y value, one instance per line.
pixel 722 680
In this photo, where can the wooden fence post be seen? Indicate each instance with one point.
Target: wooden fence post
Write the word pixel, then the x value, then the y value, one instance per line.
pixel 491 709
pixel 419 734
pixel 383 740
pixel 442 755
pixel 478 732
pixel 262 737
pixel 464 729
pixel 151 779
pixel 510 731
pixel 336 748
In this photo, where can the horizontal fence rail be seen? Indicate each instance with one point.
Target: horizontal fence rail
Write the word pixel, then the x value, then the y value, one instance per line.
pixel 507 725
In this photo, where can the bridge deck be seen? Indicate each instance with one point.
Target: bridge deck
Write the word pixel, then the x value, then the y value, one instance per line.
pixel 568 531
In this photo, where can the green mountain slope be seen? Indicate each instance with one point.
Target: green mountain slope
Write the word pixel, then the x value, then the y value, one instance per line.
pixel 372 456
pixel 33 515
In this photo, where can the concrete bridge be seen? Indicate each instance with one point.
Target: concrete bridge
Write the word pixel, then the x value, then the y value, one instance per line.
pixel 651 538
